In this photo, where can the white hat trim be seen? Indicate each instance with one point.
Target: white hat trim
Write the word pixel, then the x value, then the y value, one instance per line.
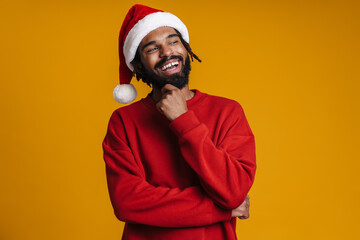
pixel 145 26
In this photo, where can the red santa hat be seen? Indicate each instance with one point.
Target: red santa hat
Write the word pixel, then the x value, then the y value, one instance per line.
pixel 139 21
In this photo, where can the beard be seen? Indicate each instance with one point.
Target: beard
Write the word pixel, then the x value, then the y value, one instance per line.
pixel 179 80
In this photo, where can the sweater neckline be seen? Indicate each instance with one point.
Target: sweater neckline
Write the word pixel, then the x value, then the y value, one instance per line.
pixel 151 103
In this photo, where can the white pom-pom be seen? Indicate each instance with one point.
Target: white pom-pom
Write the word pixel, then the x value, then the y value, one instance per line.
pixel 124 93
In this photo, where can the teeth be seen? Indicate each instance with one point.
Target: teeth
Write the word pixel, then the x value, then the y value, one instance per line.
pixel 169 65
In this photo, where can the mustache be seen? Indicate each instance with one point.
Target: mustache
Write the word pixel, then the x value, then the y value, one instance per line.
pixel 164 60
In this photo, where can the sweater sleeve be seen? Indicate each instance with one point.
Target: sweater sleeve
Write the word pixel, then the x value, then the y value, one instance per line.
pixel 226 170
pixel 135 200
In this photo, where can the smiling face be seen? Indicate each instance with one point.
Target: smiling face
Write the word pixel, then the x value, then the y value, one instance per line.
pixel 164 58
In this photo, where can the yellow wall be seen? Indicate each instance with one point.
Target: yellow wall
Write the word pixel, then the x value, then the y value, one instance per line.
pixel 293 65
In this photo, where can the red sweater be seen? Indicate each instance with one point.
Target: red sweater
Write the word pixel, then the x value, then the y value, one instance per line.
pixel 179 180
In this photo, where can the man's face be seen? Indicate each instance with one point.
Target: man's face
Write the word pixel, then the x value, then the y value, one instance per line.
pixel 164 58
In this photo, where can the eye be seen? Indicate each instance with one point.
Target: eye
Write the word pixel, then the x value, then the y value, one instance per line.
pixel 174 42
pixel 150 50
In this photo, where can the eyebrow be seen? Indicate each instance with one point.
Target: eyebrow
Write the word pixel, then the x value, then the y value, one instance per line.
pixel 152 42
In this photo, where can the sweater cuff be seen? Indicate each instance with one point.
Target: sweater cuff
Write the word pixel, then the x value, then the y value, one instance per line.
pixel 222 215
pixel 184 123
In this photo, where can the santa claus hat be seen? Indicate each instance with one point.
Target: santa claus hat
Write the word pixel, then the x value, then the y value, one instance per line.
pixel 139 21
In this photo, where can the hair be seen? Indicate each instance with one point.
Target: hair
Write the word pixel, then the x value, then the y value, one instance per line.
pixel 137 62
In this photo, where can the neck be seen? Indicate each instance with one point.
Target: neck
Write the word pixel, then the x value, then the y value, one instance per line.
pixel 156 94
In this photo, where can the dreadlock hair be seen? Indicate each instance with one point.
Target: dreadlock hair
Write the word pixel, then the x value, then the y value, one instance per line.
pixel 137 62
pixel 187 47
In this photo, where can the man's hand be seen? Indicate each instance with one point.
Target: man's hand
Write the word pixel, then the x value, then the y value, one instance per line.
pixel 173 102
pixel 242 211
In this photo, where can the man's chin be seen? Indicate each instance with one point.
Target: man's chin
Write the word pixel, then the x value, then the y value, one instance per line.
pixel 176 81
pixel 169 76
pixel 179 79
pixel 179 86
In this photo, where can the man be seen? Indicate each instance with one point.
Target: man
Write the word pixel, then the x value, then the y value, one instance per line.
pixel 179 162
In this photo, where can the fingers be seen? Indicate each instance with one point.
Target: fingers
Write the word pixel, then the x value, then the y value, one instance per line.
pixel 247 200
pixel 168 88
pixel 160 108
pixel 173 103
pixel 244 217
pixel 245 208
pixel 245 213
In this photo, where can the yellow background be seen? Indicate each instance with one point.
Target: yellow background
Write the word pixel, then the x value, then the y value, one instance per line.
pixel 293 65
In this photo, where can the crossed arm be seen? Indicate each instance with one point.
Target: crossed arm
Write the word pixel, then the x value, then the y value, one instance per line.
pixel 227 170
pixel 136 201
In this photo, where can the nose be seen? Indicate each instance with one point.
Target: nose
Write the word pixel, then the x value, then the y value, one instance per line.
pixel 166 51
